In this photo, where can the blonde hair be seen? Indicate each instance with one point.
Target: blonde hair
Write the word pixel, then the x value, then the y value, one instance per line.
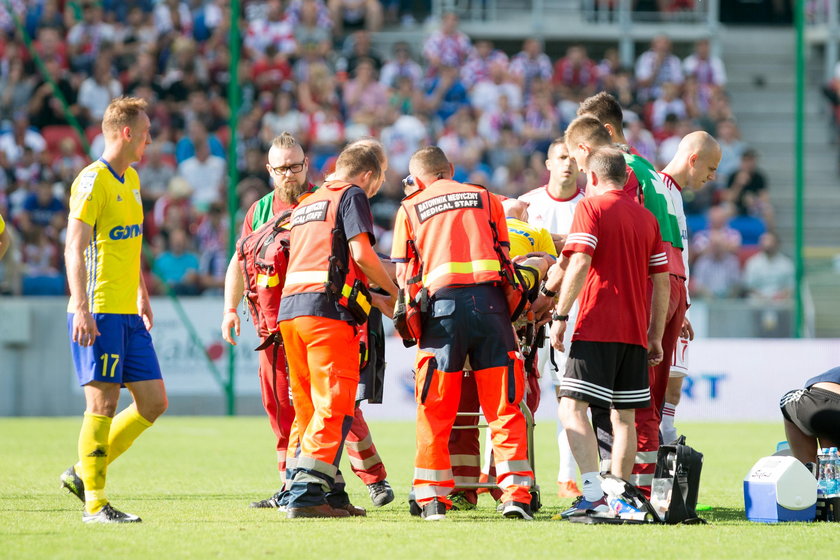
pixel 374 145
pixel 587 129
pixel 358 158
pixel 122 111
pixel 284 141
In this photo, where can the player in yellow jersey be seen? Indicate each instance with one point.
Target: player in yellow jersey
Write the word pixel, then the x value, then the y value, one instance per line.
pixel 526 238
pixel 5 238
pixel 109 314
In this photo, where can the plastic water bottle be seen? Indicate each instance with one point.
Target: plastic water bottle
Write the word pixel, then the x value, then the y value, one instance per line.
pixel 825 470
pixel 833 488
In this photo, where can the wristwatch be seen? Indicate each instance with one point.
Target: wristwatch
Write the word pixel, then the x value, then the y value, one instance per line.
pixel 546 292
pixel 556 317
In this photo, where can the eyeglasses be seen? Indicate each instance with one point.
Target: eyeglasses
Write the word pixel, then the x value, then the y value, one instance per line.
pixel 408 182
pixel 283 169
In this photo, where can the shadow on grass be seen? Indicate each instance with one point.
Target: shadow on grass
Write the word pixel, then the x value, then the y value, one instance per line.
pixel 723 515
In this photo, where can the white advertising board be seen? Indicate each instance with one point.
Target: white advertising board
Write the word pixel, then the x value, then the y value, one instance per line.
pixel 183 363
pixel 729 379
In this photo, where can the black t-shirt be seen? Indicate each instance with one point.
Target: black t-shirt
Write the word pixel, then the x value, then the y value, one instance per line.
pixel 45 114
pixel 755 185
pixel 355 218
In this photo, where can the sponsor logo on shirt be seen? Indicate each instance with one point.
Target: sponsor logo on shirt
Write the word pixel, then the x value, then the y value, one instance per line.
pixel 126 232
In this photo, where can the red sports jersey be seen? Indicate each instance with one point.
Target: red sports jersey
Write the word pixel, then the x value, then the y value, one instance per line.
pixel 624 242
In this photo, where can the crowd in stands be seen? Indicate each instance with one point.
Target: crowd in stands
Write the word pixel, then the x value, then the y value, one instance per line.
pixel 310 67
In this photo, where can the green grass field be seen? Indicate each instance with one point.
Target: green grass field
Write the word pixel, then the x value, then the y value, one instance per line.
pixel 191 480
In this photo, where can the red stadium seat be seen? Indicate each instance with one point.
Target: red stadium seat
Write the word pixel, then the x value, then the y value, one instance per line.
pixel 92 132
pixel 54 134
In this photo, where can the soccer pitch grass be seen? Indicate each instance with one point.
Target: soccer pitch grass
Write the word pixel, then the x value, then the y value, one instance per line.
pixel 191 480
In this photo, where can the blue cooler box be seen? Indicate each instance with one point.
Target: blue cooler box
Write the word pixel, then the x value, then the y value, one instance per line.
pixel 780 489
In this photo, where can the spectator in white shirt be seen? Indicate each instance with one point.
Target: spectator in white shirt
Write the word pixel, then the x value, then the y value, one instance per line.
pixel 485 95
pixel 275 29
pixel 21 136
pixel 708 69
pixel 97 91
pixel 401 66
pixel 667 103
pixel 769 274
pixel 205 174
pixel 656 66
pixel 716 273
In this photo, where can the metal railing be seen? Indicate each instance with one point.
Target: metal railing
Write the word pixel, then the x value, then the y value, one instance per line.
pixel 824 25
pixel 582 19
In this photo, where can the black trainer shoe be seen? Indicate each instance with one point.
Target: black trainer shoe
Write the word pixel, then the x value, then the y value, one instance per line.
pixel 269 503
pixel 413 507
pixel 71 481
pixel 109 515
pixel 518 510
pixel 434 511
pixel 380 493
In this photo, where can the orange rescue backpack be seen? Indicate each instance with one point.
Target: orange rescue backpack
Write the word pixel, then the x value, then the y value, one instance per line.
pixel 263 257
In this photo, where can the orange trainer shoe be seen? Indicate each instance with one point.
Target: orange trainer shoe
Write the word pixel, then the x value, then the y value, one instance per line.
pixel 568 489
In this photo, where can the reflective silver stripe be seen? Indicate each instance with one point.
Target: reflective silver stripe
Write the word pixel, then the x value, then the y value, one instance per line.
pixel 361 445
pixel 516 480
pixel 339 478
pixel 606 465
pixel 459 480
pixel 506 467
pixel 364 463
pixel 305 477
pixel 281 456
pixel 432 474
pixel 646 457
pixel 307 277
pixel 641 479
pixel 465 460
pixel 425 492
pixel 313 464
pixel 469 267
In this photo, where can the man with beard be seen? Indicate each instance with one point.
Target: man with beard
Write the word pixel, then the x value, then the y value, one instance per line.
pixel 288 167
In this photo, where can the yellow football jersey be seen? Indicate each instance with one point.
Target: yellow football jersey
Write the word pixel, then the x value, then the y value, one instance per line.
pixel 112 206
pixel 525 238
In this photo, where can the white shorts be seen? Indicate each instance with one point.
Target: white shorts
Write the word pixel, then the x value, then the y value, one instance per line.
pixel 679 359
pixel 557 369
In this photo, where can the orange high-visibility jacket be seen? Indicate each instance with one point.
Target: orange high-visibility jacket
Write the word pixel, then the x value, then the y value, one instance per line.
pixel 450 225
pixel 312 224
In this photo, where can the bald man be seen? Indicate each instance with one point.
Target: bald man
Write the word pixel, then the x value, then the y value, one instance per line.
pixel 694 165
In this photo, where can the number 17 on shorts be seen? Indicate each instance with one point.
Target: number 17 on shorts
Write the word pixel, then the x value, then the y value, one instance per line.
pixel 122 353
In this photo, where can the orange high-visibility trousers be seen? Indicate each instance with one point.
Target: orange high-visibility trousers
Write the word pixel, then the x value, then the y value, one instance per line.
pixel 323 362
pixel 438 394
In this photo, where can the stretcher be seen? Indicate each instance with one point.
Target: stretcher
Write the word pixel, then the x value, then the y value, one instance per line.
pixel 536 504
